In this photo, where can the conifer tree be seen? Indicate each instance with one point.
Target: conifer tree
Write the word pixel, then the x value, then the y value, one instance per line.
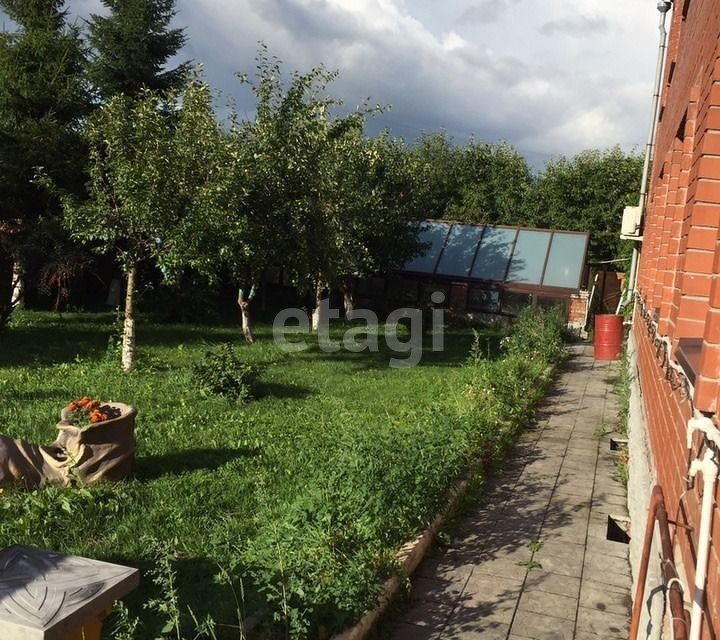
pixel 132 46
pixel 42 105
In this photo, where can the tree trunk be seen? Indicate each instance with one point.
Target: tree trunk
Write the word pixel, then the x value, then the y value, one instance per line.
pixel 244 304
pixel 245 317
pixel 317 315
pixel 348 291
pixel 17 285
pixel 128 338
pixel 6 289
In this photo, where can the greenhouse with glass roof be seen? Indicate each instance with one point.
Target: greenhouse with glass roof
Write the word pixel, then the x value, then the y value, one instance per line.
pixel 488 269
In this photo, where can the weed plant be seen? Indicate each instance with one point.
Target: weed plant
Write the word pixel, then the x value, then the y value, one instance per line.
pixel 505 391
pixel 622 389
pixel 223 372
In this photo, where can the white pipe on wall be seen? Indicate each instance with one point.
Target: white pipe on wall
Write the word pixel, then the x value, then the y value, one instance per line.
pixel 663 7
pixel 706 426
pixel 708 467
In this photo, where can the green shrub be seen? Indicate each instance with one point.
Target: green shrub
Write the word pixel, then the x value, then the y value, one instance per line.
pixel 505 388
pixel 223 372
pixel 537 335
pixel 505 391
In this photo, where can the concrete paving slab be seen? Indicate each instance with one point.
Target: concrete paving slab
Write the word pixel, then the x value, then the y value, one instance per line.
pixel 610 503
pixel 599 548
pixel 540 627
pixel 436 590
pixel 513 529
pixel 576 466
pixel 582 448
pixel 450 567
pixel 568 491
pixel 600 598
pixel 543 466
pixel 562 549
pixel 429 615
pixel 570 530
pixel 493 597
pixel 564 418
pixel 576 478
pixel 567 512
pixel 527 505
pixel 540 580
pixel 609 564
pixel 469 625
pixel 561 565
pixel 586 635
pixel 602 623
pixel 597 530
pixel 406 631
pixel 548 604
pixel 510 566
pixel 524 449
pixel 595 574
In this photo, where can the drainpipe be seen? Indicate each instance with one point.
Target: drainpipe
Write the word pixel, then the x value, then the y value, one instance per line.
pixel 663 7
pixel 657 513
pixel 708 467
pixel 589 301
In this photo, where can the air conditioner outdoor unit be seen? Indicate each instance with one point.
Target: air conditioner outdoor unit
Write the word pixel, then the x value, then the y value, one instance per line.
pixel 631 220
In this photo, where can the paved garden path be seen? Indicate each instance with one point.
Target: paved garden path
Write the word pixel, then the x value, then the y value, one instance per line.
pixel 534 560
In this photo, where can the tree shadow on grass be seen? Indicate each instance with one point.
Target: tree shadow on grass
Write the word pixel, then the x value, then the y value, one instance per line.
pixel 39 345
pixel 262 390
pixel 151 467
pixel 58 338
pixel 171 335
pixel 455 350
pixel 201 592
pixel 36 395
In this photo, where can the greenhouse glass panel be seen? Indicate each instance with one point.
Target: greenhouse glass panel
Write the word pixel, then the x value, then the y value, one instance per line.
pixel 566 260
pixel 494 253
pixel 529 257
pixel 459 252
pixel 432 234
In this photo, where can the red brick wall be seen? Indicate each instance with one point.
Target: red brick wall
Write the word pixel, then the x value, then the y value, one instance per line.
pixel 680 260
pixel 577 309
pixel 667 412
pixel 679 271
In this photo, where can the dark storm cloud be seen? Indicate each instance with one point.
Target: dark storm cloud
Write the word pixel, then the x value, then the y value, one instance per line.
pixel 304 21
pixel 506 81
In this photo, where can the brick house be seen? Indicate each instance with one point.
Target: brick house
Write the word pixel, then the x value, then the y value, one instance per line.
pixel 674 345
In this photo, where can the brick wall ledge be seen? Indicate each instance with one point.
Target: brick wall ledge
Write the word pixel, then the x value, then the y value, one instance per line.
pixel 678 369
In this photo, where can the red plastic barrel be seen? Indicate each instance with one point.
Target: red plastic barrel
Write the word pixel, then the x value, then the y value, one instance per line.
pixel 608 336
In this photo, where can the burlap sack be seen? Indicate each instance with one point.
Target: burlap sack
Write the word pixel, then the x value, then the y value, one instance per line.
pixel 102 451
pixel 24 463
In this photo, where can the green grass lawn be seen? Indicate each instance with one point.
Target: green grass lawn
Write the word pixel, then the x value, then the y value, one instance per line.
pixel 298 498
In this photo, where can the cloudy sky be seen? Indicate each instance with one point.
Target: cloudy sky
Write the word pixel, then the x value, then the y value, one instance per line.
pixel 551 77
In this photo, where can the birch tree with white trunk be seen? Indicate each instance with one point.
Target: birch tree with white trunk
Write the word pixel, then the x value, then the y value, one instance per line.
pixel 158 190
